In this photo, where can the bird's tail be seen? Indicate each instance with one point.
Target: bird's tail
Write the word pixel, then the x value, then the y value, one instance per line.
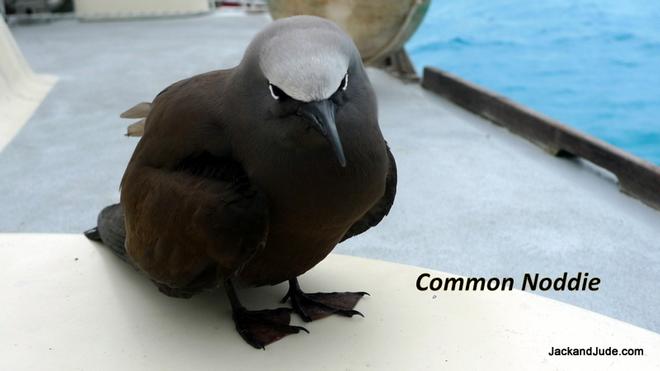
pixel 110 230
pixel 139 111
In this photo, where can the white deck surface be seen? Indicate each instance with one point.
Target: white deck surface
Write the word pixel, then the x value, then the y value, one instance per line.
pixel 472 198
pixel 75 306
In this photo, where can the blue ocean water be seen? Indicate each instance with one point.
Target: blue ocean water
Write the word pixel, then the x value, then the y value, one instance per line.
pixel 592 64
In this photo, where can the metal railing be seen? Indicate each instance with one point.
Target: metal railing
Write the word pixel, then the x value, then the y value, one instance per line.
pixel 636 177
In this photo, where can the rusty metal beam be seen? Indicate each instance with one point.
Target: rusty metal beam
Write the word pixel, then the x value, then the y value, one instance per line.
pixel 637 178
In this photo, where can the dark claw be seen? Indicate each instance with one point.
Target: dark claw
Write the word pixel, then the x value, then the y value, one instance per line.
pixel 301 328
pixel 350 313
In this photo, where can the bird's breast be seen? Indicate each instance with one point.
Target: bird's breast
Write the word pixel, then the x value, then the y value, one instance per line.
pixel 297 166
pixel 312 203
pixel 310 189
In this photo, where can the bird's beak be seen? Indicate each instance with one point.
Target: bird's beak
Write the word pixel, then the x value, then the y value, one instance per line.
pixel 322 114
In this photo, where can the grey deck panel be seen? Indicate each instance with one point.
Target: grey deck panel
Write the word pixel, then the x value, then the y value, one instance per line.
pixel 473 199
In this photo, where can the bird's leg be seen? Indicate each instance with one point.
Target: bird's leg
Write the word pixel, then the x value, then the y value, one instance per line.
pixel 315 306
pixel 260 327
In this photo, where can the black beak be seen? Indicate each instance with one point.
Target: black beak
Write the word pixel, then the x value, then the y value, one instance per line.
pixel 322 114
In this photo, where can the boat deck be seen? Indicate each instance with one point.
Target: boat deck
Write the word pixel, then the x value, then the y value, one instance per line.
pixel 122 322
pixel 473 199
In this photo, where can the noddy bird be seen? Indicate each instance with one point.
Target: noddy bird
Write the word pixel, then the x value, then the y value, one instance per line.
pixel 250 176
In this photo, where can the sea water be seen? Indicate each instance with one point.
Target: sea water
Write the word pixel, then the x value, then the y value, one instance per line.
pixel 591 64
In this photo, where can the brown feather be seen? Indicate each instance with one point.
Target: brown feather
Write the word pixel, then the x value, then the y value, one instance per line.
pixel 138 111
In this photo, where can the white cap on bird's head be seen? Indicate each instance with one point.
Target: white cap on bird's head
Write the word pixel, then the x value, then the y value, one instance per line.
pixel 304 56
pixel 304 64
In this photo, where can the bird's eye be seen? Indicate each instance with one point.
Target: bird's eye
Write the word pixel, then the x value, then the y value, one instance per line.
pixel 277 93
pixel 273 91
pixel 342 86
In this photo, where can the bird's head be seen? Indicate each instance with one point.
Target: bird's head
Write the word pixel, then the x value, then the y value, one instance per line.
pixel 304 71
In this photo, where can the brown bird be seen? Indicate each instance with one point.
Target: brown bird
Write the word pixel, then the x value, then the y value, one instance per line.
pixel 253 174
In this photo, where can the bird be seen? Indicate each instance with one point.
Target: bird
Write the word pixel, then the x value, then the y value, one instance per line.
pixel 250 176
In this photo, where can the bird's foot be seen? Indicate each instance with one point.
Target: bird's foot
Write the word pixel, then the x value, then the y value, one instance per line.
pixel 262 327
pixel 319 305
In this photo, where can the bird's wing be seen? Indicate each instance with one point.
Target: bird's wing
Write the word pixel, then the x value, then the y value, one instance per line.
pixel 188 205
pixel 204 214
pixel 382 207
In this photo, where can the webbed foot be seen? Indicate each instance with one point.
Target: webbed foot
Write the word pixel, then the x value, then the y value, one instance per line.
pixel 262 327
pixel 315 306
